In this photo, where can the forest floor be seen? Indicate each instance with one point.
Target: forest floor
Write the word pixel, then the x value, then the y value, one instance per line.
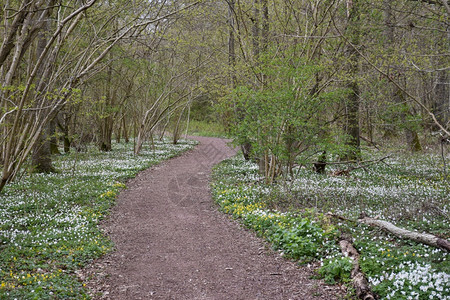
pixel 171 242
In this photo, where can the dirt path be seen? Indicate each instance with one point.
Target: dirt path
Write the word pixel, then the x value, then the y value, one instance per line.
pixel 172 243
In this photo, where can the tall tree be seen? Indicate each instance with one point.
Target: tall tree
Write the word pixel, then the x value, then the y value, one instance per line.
pixel 352 103
pixel 396 93
pixel 41 156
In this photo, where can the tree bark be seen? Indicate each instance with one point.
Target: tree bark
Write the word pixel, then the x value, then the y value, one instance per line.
pixel 442 89
pixel 41 156
pixel 53 139
pixel 442 98
pixel 397 95
pixel 231 43
pixel 125 131
pixel 353 103
pixel 106 122
pixel 360 282
pixel 42 150
pixel 8 42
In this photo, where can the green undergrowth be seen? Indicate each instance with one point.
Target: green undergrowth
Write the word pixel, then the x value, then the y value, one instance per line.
pixel 209 129
pixel 292 215
pixel 48 222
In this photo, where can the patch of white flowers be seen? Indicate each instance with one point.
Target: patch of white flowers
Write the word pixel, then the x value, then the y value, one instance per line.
pixel 29 217
pixel 414 281
pixel 405 188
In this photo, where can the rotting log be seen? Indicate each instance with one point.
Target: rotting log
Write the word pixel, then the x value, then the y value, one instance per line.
pixel 360 282
pixel 425 238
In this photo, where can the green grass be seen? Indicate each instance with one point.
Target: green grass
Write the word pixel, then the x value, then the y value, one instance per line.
pixel 409 191
pixel 48 222
pixel 202 128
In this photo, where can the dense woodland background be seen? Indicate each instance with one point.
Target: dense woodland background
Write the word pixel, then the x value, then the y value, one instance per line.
pixel 340 107
pixel 292 81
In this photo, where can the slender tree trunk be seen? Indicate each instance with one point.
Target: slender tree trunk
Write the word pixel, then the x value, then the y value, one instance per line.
pixel 119 131
pixel 231 43
pixel 67 143
pixel 442 89
pixel 262 44
pixel 105 143
pixel 353 103
pixel 41 156
pixel 246 146
pixel 53 138
pixel 442 98
pixel 64 128
pixel 106 127
pixel 125 131
pixel 397 95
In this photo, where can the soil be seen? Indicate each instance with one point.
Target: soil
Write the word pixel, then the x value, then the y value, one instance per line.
pixel 173 243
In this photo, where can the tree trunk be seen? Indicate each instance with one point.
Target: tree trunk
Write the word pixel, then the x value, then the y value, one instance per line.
pixel 231 43
pixel 64 128
pixel 256 30
pixel 106 123
pixel 67 143
pixel 353 103
pixel 442 98
pixel 398 97
pixel 442 89
pixel 105 143
pixel 41 156
pixel 125 131
pixel 53 138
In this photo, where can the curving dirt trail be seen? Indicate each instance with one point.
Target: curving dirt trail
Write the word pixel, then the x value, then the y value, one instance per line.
pixel 172 243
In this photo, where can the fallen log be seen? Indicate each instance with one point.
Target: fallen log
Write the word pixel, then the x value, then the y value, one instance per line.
pixel 361 165
pixel 424 238
pixel 360 282
pixel 330 214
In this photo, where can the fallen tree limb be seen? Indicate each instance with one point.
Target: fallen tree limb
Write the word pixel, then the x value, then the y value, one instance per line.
pixel 370 142
pixel 424 238
pixel 360 282
pixel 330 214
pixel 361 165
